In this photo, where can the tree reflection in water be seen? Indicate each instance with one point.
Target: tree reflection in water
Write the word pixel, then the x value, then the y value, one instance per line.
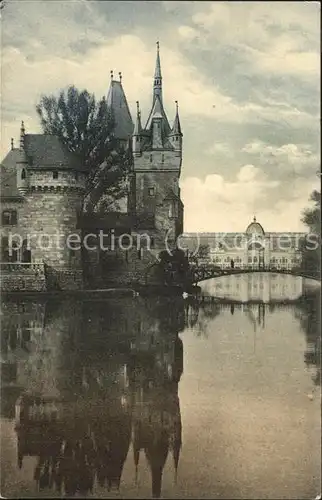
pixel 112 399
pixel 112 371
pixel 308 311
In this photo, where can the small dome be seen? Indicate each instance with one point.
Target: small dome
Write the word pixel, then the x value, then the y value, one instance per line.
pixel 255 228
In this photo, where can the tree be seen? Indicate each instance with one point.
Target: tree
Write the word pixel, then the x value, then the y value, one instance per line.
pixel 312 219
pixel 86 127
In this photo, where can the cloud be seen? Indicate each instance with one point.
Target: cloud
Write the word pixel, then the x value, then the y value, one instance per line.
pixel 245 75
pixel 215 204
pixel 297 157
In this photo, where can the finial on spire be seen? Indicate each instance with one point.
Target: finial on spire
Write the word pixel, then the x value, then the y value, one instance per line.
pixel 22 136
pixel 111 73
pixel 120 75
pixel 158 46
pixel 137 107
pixel 177 107
pixel 254 219
pixel 12 143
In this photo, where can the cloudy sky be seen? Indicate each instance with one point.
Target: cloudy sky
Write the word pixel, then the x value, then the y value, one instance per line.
pixel 246 75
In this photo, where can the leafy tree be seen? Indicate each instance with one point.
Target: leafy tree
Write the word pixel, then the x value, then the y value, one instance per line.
pixel 86 127
pixel 203 252
pixel 312 219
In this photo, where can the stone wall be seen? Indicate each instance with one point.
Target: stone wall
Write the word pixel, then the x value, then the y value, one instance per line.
pixel 47 218
pixel 33 282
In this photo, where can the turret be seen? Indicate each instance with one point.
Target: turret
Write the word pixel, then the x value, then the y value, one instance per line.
pixel 137 138
pixel 176 134
pixel 22 164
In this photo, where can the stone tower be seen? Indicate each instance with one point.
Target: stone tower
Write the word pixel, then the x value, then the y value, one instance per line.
pixel 157 157
pixel 51 187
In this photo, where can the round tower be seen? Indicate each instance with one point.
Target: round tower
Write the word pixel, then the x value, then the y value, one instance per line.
pixel 53 185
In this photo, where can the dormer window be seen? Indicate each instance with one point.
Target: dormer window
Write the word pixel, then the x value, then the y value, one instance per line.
pixel 55 175
pixel 23 174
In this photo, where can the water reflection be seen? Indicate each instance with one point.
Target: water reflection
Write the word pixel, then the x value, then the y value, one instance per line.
pixel 93 385
pixel 98 376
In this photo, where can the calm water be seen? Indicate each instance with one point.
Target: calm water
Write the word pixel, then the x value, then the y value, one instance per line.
pixel 182 398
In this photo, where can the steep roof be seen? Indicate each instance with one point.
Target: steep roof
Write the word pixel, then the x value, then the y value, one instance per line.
pixel 157 111
pixel 45 150
pixel 42 151
pixel 116 100
pixel 8 177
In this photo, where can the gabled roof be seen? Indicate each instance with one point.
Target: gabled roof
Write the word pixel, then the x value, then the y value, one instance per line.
pixel 116 100
pixel 171 196
pixel 157 107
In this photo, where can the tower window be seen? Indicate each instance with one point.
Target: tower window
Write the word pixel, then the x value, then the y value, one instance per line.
pixel 9 217
pixel 55 175
pixel 151 158
pixel 23 174
pixel 151 191
pixel 162 158
pixel 177 138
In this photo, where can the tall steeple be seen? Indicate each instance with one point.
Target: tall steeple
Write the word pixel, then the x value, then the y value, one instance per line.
pixel 157 84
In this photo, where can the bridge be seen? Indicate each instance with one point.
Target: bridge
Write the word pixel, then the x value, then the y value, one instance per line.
pixel 207 272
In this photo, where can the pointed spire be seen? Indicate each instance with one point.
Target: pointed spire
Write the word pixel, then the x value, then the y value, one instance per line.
pixel 157 72
pixel 22 136
pixel 157 84
pixel 138 126
pixel 176 129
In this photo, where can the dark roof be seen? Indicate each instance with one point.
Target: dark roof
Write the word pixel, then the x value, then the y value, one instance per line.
pixel 45 150
pixel 116 100
pixel 8 177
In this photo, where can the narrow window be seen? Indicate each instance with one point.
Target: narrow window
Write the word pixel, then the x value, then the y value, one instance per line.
pixel 76 176
pixel 151 191
pixel 162 159
pixel 9 218
pixel 55 175
pixel 23 174
pixel 150 158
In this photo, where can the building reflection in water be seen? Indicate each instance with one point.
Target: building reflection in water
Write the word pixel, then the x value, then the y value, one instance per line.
pixel 266 287
pixel 80 408
pixel 94 380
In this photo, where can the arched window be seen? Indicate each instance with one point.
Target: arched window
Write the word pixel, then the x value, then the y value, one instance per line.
pixel 9 217
pixel 255 259
pixel 23 174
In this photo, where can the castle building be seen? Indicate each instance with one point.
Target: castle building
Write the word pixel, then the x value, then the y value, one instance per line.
pixel 157 158
pixel 42 194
